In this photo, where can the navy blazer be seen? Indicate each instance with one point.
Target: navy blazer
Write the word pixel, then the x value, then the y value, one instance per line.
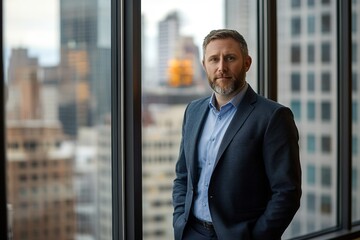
pixel 255 187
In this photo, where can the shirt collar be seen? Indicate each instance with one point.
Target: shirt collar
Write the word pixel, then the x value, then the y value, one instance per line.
pixel 235 101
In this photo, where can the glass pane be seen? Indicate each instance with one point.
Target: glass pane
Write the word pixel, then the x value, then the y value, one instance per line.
pixel 355 111
pixel 57 63
pixel 307 70
pixel 172 77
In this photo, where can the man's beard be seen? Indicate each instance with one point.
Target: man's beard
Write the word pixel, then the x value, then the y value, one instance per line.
pixel 235 85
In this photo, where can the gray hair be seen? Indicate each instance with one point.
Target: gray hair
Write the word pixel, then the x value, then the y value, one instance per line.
pixel 223 34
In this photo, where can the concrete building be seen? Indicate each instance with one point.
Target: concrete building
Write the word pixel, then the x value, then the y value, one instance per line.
pixel 39 179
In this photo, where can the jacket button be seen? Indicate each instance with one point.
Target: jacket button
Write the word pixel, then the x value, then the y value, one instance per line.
pixel 211 196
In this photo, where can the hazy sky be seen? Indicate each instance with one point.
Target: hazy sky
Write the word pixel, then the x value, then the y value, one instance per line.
pixel 34 24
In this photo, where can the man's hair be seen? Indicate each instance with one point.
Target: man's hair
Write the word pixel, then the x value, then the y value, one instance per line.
pixel 224 34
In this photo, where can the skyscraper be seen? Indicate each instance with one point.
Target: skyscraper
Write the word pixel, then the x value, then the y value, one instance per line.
pixel 85 39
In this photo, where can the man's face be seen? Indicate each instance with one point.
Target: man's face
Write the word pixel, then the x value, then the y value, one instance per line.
pixel 225 66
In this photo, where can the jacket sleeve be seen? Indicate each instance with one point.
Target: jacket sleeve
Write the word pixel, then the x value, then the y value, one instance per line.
pixel 282 166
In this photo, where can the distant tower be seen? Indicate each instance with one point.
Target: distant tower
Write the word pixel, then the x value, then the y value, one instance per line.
pixel 85 62
pixel 167 40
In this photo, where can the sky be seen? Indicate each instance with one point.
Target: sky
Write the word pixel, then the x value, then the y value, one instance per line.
pixel 34 24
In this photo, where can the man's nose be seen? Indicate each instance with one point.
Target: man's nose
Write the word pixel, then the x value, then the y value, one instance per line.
pixel 222 65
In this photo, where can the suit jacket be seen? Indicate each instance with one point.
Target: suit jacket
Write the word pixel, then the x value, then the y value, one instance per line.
pixel 255 187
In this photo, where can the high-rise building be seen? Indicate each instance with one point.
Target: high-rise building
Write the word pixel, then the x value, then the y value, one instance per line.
pixel 307 75
pixel 160 152
pixel 169 32
pixel 85 41
pixel 39 179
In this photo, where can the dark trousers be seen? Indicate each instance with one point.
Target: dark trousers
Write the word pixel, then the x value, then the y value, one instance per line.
pixel 196 231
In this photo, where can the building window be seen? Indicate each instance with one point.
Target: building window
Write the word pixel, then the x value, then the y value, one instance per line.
pixel 295 26
pixel 295 82
pixel 295 54
pixel 354 22
pixel 325 2
pixel 354 145
pixel 354 82
pixel 311 3
pixel 311 202
pixel 325 52
pixel 354 111
pixel 311 53
pixel 311 82
pixel 311 147
pixel 311 24
pixel 311 110
pixel 295 3
pixel 310 174
pixel 325 204
pixel 325 82
pixel 326 176
pixel 296 108
pixel 326 111
pixel 326 23
pixel 326 144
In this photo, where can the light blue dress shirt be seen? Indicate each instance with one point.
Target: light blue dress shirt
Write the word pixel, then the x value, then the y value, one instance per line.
pixel 214 130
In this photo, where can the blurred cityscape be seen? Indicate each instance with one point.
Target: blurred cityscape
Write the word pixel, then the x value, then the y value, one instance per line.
pixel 59 129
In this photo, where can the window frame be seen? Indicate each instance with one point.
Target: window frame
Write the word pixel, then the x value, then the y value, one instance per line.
pixel 126 114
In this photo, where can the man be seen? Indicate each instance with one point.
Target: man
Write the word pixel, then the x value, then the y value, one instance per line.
pixel 238 174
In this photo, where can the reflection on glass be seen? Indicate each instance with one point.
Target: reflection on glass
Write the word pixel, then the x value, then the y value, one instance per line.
pixel 355 111
pixel 307 73
pixel 172 77
pixel 58 119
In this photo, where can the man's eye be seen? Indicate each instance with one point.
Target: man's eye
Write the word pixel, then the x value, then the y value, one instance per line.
pixel 230 58
pixel 212 59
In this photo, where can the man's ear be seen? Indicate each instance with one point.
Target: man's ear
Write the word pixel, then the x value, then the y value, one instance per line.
pixel 247 62
pixel 203 64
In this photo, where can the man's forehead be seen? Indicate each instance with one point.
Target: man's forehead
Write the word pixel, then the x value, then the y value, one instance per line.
pixel 227 45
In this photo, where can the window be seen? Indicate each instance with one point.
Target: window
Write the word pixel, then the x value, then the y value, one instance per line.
pixel 355 114
pixel 311 113
pixel 311 24
pixel 325 111
pixel 326 176
pixel 58 111
pixel 311 3
pixel 296 26
pixel 311 82
pixel 311 141
pixel 318 130
pixel 326 144
pixel 311 175
pixel 355 111
pixel 321 210
pixel 296 107
pixel 173 34
pixel 326 82
pixel 295 82
pixel 311 202
pixel 311 53
pixel 325 52
pixel 295 54
pixel 326 23
pixel 295 3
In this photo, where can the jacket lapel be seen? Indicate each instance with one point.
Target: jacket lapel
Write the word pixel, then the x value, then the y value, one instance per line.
pixel 242 113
